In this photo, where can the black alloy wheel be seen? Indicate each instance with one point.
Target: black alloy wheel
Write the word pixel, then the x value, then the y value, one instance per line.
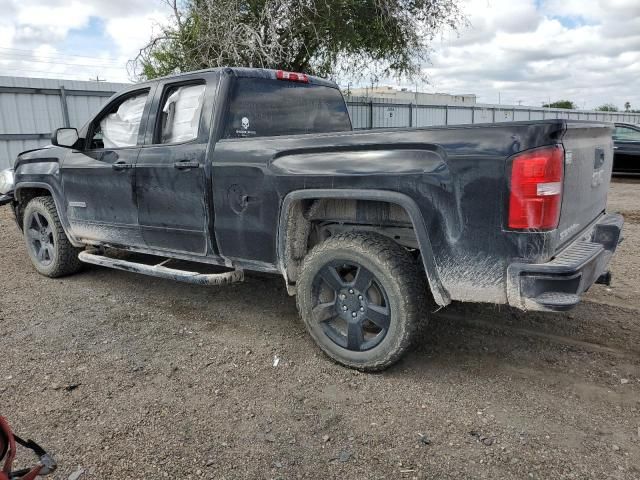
pixel 40 239
pixel 351 305
pixel 361 297
pixel 51 252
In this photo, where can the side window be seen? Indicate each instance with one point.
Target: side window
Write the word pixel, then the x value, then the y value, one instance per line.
pixel 179 119
pixel 628 134
pixel 120 125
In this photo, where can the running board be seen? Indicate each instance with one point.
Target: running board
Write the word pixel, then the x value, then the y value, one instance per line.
pixel 161 271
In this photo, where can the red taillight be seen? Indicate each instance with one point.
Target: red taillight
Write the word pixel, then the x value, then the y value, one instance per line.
pixel 536 189
pixel 292 77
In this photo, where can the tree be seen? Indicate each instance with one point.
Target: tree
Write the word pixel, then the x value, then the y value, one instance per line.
pixel 607 107
pixel 322 37
pixel 627 106
pixel 561 104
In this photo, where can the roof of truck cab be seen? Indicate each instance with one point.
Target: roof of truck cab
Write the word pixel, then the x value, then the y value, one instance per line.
pixel 238 72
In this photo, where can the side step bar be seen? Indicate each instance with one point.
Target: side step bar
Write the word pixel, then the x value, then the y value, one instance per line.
pixel 161 271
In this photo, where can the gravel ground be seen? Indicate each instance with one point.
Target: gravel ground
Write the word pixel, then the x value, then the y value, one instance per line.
pixel 129 377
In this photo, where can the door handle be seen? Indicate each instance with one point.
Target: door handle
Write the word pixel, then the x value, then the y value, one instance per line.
pixel 121 165
pixel 183 165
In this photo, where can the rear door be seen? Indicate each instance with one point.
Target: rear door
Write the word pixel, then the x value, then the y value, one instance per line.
pixel 170 171
pixel 260 112
pixel 98 179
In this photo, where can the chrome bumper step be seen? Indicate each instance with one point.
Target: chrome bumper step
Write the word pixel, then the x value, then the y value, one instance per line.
pixel 159 270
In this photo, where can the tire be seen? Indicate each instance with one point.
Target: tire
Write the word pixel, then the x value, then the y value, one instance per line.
pixel 49 248
pixel 361 297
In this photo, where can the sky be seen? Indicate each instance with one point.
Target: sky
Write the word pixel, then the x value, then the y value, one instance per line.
pixel 517 51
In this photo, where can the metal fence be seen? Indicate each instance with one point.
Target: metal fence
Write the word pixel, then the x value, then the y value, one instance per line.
pixel 367 113
pixel 31 108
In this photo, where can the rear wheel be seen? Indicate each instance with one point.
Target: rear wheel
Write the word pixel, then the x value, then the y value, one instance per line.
pixel 48 246
pixel 361 297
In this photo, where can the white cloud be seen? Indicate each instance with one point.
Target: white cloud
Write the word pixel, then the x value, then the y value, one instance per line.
pixel 34 36
pixel 61 17
pixel 587 51
pixel 133 32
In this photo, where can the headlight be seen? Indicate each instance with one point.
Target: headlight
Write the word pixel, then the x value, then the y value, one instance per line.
pixel 6 181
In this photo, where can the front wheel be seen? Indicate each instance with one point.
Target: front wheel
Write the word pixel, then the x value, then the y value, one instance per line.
pixel 361 297
pixel 47 244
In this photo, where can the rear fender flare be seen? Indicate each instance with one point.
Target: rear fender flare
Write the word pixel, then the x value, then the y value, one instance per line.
pixel 440 295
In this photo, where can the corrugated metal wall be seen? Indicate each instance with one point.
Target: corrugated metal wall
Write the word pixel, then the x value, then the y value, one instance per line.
pixel 32 108
pixel 384 113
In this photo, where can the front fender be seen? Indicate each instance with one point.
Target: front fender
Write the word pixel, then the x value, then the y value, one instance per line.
pixel 55 190
pixel 440 294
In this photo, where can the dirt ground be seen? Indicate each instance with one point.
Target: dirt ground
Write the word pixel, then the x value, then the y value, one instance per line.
pixel 129 377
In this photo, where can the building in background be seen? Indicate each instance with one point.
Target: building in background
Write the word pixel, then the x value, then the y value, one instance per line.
pixel 405 95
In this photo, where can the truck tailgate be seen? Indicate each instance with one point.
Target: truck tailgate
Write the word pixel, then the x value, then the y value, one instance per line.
pixel 588 162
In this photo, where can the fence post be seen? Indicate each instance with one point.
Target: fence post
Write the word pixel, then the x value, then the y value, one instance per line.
pixel 370 114
pixel 410 114
pixel 473 115
pixel 493 113
pixel 446 114
pixel 65 107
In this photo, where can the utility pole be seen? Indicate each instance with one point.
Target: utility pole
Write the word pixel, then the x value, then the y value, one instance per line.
pixel 98 79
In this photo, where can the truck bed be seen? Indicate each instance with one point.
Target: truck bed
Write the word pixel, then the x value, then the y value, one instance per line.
pixel 456 175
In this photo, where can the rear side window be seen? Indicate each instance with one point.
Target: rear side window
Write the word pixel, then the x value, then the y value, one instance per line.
pixel 180 115
pixel 262 107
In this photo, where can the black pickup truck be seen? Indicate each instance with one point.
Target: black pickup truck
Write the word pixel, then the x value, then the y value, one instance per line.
pixel 201 176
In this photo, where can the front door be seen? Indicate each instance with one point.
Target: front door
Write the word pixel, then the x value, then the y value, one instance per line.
pixel 170 172
pixel 99 178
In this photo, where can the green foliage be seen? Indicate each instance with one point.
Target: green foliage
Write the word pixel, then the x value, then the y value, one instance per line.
pixel 607 107
pixel 561 104
pixel 325 37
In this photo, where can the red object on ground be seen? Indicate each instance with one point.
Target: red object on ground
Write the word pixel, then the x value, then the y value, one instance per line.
pixel 8 454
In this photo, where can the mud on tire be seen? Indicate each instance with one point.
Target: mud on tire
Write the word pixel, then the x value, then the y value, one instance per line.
pixel 48 247
pixel 361 297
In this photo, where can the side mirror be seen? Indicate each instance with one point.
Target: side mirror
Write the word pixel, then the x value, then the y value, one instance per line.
pixel 65 137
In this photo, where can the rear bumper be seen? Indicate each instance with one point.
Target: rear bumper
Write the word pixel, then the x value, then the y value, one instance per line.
pixel 557 285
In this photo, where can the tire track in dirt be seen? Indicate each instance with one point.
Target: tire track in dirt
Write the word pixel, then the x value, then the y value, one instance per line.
pixel 485 324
